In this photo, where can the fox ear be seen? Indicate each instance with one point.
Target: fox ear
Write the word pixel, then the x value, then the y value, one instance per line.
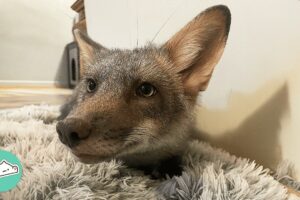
pixel 87 47
pixel 198 46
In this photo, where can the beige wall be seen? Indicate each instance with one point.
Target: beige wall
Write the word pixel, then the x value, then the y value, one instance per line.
pixel 262 125
pixel 33 35
pixel 252 106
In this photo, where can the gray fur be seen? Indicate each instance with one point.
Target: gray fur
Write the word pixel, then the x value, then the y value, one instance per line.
pixel 51 172
pixel 285 173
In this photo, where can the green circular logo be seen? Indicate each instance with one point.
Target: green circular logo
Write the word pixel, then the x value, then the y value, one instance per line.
pixel 10 171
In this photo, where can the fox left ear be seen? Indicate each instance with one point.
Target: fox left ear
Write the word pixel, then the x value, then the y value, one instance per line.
pixel 197 47
pixel 87 48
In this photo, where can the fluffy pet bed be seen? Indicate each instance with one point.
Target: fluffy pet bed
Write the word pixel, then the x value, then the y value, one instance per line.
pixel 50 171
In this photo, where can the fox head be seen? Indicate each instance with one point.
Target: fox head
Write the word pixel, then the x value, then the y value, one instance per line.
pixel 137 104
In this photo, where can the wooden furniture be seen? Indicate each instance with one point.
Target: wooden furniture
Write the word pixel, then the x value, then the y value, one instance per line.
pixel 78 6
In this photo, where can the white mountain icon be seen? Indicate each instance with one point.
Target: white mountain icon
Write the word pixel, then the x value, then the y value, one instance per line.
pixel 8 169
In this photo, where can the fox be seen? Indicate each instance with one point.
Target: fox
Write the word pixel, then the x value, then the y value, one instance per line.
pixel 137 105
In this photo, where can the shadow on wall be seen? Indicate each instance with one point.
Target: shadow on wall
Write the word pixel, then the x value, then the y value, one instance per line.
pixel 62 74
pixel 257 136
pixel 61 77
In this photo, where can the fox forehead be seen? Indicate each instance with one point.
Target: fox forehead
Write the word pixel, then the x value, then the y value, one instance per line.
pixel 128 57
pixel 140 64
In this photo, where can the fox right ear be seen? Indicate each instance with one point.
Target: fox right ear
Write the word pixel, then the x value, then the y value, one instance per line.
pixel 87 47
pixel 197 47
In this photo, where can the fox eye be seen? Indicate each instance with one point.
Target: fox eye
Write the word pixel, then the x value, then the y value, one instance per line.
pixel 91 85
pixel 146 90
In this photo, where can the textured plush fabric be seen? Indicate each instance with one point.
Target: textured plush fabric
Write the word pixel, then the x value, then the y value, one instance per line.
pixel 50 171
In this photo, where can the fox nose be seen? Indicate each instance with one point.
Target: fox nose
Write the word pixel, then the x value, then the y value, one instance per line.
pixel 72 130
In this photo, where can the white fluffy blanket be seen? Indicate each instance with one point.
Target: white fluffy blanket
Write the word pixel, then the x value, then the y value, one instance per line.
pixel 50 171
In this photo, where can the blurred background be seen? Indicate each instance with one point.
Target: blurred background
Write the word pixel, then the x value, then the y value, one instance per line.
pixel 252 105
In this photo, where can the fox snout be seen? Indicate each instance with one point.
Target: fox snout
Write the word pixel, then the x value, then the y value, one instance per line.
pixel 72 131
